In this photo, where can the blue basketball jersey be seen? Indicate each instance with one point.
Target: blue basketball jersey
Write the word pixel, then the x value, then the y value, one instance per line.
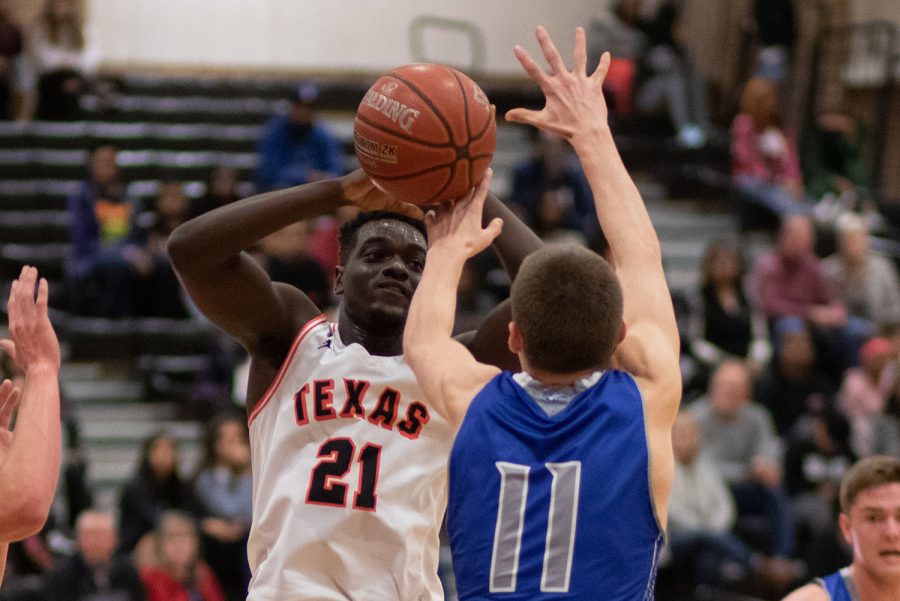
pixel 839 586
pixel 553 507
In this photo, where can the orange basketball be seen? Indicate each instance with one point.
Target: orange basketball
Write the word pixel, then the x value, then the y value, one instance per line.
pixel 425 133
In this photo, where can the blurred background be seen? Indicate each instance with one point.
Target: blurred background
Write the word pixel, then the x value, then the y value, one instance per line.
pixel 761 133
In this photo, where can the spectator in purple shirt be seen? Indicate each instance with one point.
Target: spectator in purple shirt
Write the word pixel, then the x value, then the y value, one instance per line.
pixel 791 282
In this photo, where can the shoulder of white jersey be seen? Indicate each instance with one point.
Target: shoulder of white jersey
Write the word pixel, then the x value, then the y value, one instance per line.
pixel 316 334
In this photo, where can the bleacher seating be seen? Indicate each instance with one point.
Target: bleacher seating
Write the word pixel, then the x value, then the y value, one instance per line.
pixel 179 129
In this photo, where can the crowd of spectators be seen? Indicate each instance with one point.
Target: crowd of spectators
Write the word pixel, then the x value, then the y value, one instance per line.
pixel 171 536
pixel 46 66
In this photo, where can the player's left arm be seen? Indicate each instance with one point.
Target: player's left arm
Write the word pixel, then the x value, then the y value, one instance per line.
pixel 445 369
pixel 515 242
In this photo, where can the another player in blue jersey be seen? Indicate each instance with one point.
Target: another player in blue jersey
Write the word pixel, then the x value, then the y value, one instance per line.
pixel 559 475
pixel 870 523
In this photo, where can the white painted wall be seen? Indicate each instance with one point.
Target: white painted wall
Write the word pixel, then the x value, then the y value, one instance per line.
pixel 336 35
pixel 870 10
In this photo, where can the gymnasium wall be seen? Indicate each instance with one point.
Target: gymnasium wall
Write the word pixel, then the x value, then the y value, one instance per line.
pixel 319 35
pixel 869 10
pixel 341 35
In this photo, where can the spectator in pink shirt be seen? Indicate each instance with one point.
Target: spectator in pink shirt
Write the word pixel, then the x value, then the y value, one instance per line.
pixel 791 282
pixel 764 160
pixel 863 398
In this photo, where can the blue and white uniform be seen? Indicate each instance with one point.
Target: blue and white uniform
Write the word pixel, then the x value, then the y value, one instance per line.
pixel 554 505
pixel 839 585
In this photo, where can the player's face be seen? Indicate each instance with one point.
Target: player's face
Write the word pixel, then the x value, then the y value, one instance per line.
pixel 873 531
pixel 382 272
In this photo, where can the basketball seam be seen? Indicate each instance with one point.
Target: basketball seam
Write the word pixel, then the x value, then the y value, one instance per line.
pixel 406 136
pixel 446 183
pixel 487 123
pixel 470 171
pixel 431 105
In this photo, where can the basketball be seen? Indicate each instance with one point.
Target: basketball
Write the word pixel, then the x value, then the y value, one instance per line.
pixel 425 133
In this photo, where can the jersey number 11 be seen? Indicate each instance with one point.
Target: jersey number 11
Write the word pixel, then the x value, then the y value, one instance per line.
pixel 561 522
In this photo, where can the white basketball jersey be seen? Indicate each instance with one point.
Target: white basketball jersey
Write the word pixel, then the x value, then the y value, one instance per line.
pixel 349 477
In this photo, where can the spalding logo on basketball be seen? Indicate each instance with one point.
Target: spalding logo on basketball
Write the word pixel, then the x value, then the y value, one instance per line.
pixel 425 133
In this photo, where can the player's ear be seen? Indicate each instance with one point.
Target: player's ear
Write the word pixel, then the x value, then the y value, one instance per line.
pixel 622 332
pixel 846 530
pixel 515 339
pixel 338 280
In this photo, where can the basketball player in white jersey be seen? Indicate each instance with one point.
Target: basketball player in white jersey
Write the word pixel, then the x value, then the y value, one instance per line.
pixel 29 454
pixel 349 458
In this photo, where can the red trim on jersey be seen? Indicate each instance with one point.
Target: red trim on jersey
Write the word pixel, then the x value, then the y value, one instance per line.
pixel 306 329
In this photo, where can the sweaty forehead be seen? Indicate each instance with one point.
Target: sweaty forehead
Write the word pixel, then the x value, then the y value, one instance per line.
pixel 397 232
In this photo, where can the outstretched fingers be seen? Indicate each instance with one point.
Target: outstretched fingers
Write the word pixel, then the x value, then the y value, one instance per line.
pixel 602 67
pixel 493 229
pixel 9 400
pixel 9 347
pixel 43 295
pixel 534 71
pixel 579 55
pixel 524 116
pixel 554 59
pixel 21 302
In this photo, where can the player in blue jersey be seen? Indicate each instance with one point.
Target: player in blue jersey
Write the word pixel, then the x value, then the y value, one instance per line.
pixel 559 475
pixel 870 523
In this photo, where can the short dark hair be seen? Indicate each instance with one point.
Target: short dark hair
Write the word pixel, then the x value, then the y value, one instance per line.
pixel 98 143
pixel 350 229
pixel 868 473
pixel 567 303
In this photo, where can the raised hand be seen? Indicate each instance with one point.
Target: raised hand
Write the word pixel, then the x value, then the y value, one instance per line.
pixel 361 191
pixel 35 344
pixel 458 225
pixel 574 100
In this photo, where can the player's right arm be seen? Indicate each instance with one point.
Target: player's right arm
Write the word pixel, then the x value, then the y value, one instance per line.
pixel 230 288
pixel 810 592
pixel 446 370
pixel 30 454
pixel 576 110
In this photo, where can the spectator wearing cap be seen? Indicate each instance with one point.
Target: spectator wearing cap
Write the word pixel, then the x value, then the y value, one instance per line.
pixel 295 147
pixel 863 397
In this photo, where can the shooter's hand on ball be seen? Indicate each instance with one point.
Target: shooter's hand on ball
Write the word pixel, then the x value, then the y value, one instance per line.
pixel 456 227
pixel 360 191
